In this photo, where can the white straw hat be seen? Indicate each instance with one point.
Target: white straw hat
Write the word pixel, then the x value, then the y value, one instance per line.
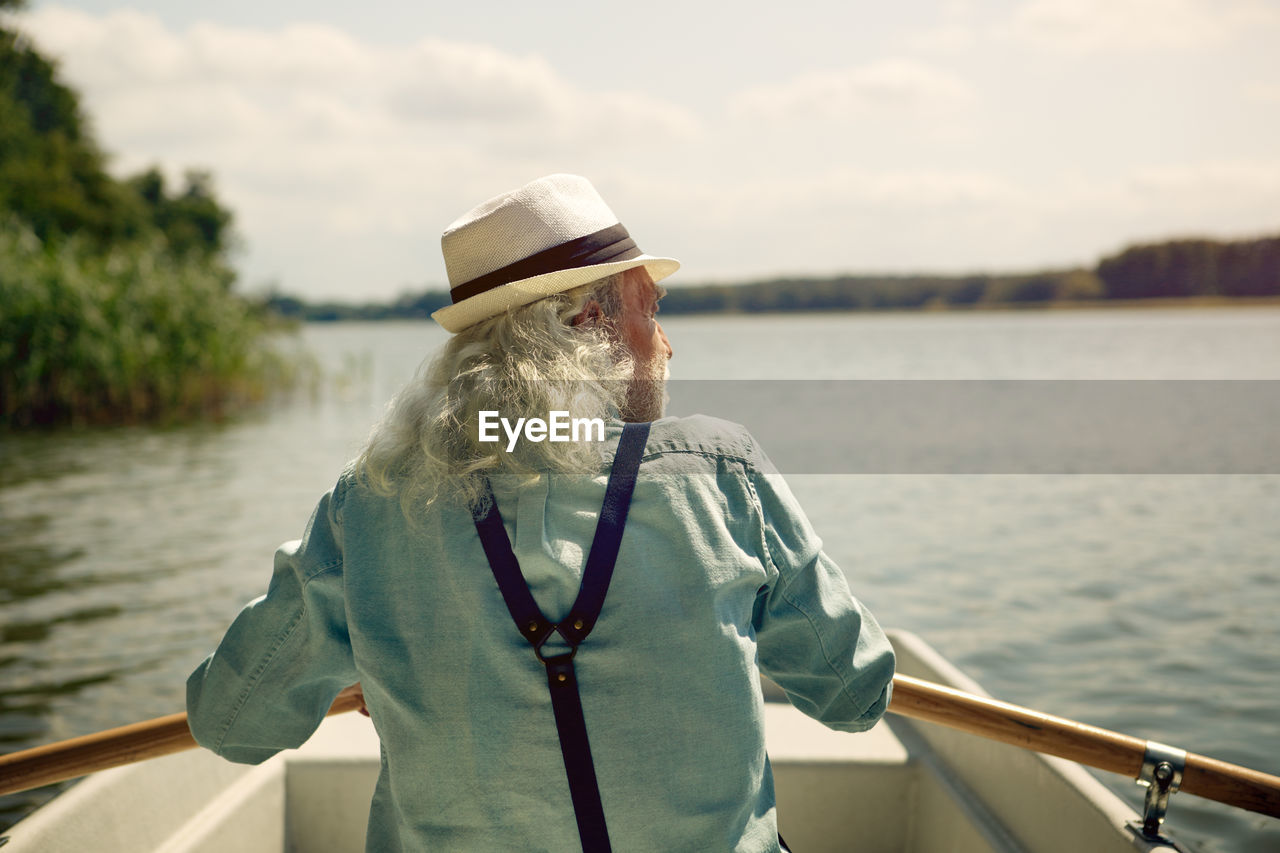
pixel 549 236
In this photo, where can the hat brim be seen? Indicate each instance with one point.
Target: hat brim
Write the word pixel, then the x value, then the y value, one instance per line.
pixel 493 302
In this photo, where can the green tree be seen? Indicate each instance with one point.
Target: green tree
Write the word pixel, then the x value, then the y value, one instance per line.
pixel 53 176
pixel 191 219
pixel 115 295
pixel 1251 269
pixel 52 173
pixel 1193 268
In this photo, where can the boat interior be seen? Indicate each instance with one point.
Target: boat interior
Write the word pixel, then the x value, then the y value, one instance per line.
pixel 903 787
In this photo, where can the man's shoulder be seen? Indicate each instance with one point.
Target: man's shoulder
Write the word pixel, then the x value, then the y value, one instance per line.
pixel 704 435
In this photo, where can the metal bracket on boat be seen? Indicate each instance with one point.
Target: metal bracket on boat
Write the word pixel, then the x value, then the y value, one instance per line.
pixel 1162 768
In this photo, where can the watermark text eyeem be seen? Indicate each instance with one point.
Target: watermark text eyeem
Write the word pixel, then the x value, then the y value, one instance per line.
pixel 557 427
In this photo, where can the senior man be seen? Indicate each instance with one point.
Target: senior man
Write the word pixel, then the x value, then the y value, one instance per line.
pixel 559 642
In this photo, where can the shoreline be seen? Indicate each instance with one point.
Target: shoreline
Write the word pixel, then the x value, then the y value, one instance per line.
pixel 1161 302
pixel 1171 303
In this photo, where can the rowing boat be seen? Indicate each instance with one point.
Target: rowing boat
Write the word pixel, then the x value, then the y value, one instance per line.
pixel 905 785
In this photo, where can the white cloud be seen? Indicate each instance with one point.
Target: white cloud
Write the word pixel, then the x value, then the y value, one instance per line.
pixel 843 219
pixel 857 220
pixel 1265 93
pixel 309 70
pixel 889 88
pixel 1116 25
pixel 916 191
pixel 1236 196
pixel 1076 27
pixel 317 138
pixel 945 39
pixel 343 159
pixel 476 83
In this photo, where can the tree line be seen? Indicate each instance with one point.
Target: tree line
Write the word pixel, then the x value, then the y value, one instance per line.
pixel 1170 269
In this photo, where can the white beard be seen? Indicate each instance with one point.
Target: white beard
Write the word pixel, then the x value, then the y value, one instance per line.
pixel 647 392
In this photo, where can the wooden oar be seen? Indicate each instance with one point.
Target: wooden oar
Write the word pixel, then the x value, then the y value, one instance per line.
pixel 1079 742
pixel 67 759
pixel 912 697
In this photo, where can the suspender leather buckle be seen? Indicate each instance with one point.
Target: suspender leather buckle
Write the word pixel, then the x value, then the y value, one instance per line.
pixel 560 669
pixel 549 660
pixel 537 632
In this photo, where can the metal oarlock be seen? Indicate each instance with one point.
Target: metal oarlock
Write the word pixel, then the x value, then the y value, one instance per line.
pixel 1162 768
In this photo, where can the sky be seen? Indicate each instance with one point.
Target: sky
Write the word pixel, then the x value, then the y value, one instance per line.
pixel 747 140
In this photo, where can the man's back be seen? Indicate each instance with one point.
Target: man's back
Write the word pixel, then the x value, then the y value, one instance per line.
pixel 715 556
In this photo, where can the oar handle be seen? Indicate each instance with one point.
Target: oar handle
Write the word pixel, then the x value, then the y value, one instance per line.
pixel 912 697
pixel 56 762
pixel 1085 744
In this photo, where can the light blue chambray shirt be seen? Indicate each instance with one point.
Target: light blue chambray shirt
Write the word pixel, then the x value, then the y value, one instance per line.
pixel 719 577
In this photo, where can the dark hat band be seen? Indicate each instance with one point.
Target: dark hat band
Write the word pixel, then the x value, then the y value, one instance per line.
pixel 607 244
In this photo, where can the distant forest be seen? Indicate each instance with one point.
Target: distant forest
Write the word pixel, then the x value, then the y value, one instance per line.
pixel 1173 269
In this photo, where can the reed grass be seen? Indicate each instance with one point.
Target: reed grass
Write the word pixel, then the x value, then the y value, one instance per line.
pixel 133 334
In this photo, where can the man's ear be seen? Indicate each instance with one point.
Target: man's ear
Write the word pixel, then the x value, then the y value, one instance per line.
pixel 591 314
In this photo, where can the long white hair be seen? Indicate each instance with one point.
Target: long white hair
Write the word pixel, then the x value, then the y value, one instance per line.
pixel 523 363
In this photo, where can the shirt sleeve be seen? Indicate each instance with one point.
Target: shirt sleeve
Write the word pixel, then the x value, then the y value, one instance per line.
pixel 818 642
pixel 284 659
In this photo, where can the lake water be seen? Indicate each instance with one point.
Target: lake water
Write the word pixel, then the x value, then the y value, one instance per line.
pixel 1147 603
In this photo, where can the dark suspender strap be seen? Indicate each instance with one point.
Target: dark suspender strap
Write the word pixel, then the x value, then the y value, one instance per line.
pixel 575 748
pixel 506 571
pixel 604 546
pixel 562 682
